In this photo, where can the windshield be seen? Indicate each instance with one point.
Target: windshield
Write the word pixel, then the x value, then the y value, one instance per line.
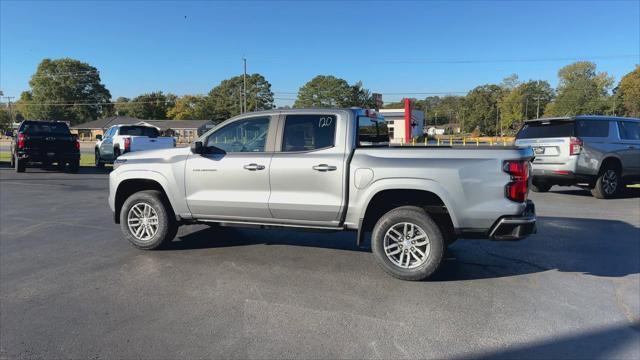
pixel 44 127
pixel 546 129
pixel 139 131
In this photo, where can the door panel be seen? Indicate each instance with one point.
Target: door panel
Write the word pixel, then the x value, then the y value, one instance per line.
pixel 220 185
pixel 307 174
pixel 628 147
pixel 234 182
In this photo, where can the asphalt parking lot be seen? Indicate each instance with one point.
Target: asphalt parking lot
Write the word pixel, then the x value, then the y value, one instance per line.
pixel 72 287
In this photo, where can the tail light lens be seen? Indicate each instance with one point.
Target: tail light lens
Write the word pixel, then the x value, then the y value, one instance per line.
pixel 575 146
pixel 21 141
pixel 127 144
pixel 77 144
pixel 518 188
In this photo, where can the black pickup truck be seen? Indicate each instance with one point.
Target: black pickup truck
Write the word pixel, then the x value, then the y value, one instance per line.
pixel 45 143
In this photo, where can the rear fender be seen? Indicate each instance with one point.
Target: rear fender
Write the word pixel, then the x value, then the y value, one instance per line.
pixel 365 196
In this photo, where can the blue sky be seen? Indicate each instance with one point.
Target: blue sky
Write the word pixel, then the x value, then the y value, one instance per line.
pixel 393 47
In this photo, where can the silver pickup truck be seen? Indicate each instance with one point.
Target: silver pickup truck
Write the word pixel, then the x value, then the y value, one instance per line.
pixel 327 170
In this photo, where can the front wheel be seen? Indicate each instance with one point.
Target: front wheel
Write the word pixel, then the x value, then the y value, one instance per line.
pixel 608 184
pixel 407 243
pixel 146 220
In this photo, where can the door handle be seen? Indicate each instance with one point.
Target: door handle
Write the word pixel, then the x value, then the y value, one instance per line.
pixel 254 167
pixel 324 167
pixel 631 147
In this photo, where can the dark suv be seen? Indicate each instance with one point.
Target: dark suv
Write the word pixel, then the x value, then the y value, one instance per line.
pixel 45 143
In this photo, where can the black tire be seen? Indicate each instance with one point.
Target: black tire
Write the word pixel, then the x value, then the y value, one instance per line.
pixel 13 161
pixel 98 161
pixel 20 165
pixel 167 226
pixel 608 183
pixel 416 216
pixel 74 166
pixel 540 187
pixel 116 153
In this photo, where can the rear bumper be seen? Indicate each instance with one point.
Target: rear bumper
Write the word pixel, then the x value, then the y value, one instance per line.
pixel 560 177
pixel 37 156
pixel 515 227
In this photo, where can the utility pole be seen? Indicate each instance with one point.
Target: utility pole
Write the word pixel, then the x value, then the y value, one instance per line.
pixel 11 113
pixel 614 105
pixel 244 92
pixel 497 117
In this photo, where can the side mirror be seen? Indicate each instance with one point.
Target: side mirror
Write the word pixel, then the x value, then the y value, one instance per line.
pixel 98 137
pixel 197 147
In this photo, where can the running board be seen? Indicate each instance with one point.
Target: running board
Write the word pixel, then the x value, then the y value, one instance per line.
pixel 264 225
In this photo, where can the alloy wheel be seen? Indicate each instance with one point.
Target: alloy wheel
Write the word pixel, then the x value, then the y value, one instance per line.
pixel 142 220
pixel 610 182
pixel 406 245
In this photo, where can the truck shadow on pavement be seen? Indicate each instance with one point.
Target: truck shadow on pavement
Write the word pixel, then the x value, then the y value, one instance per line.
pixel 606 248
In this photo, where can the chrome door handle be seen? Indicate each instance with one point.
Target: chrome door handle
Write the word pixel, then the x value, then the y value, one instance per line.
pixel 324 167
pixel 254 167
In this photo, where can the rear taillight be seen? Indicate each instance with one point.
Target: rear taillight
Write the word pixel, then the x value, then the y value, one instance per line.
pixel 518 188
pixel 21 141
pixel 575 146
pixel 127 144
pixel 77 144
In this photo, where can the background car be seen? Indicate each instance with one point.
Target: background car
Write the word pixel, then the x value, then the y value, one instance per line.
pixel 599 152
pixel 45 143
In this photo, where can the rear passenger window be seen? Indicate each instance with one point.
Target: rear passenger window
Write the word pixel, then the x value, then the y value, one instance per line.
pixel 592 128
pixel 308 132
pixel 629 130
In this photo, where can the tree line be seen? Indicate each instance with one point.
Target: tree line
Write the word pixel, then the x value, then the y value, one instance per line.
pixel 71 90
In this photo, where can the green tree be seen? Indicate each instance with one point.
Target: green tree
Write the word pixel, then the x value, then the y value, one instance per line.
pixel 225 100
pixel 324 91
pixel 66 89
pixel 122 106
pixel 360 97
pixel 629 93
pixel 5 118
pixel 482 105
pixel 189 107
pixel 150 106
pixel 581 90
pixel 522 102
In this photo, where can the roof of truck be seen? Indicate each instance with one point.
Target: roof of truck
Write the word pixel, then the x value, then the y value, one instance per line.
pixel 583 117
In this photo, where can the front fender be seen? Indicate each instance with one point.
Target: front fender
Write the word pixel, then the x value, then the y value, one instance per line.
pixel 176 199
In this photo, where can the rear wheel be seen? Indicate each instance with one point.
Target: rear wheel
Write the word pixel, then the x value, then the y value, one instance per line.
pixel 146 220
pixel 74 166
pixel 98 161
pixel 540 187
pixel 13 160
pixel 608 184
pixel 407 243
pixel 19 164
pixel 116 153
